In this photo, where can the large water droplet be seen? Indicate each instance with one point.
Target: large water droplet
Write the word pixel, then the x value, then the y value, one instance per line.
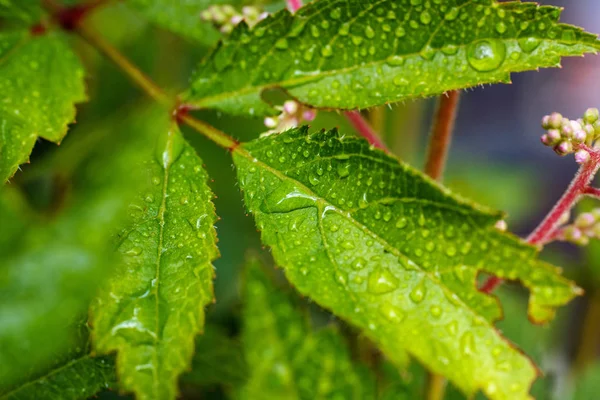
pixel 391 313
pixel 382 281
pixel 169 147
pixel 486 55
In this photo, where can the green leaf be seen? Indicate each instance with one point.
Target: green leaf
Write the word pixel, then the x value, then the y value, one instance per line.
pixel 51 265
pixel 153 305
pixel 25 11
pixel 348 54
pixel 79 378
pixel 285 358
pixel 218 359
pixel 389 250
pixel 41 79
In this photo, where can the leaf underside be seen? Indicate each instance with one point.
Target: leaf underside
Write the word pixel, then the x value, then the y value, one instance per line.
pixel 152 307
pixel 41 80
pixel 286 358
pixel 389 250
pixel 349 54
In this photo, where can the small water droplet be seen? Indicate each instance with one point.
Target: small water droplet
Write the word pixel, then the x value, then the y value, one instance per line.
pixel 391 313
pixel 382 281
pixel 343 170
pixel 418 293
pixel 401 223
pixel 369 32
pixel 314 180
pixel 467 343
pixel 436 311
pixel 425 17
pixel 529 44
pixel 359 263
pixel 134 251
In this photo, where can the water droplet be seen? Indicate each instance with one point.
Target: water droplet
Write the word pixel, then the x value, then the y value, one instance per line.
pixel 314 180
pixel 418 293
pixel 425 17
pixel 184 200
pixel 362 203
pixel 430 246
pixel 343 170
pixel 399 80
pixel 387 215
pixel 359 263
pixel 336 13
pixel 134 251
pixel 391 313
pixel 149 198
pixel 382 281
pixel 452 328
pixel 529 44
pixel 467 343
pixel 400 32
pixel 451 14
pixel 314 31
pixel 436 311
pixel 348 245
pixel 344 29
pixel 501 27
pixel 486 55
pixel 326 51
pixel 334 228
pixel 357 40
pixel 401 223
pixel 281 44
pixel 156 180
pixel 369 32
pixel 169 147
pixel 450 251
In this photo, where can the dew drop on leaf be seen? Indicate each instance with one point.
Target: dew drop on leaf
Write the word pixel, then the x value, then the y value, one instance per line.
pixel 486 55
pixel 418 293
pixel 529 44
pixel 381 281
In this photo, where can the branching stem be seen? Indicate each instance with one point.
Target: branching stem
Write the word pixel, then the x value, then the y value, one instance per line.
pixel 546 231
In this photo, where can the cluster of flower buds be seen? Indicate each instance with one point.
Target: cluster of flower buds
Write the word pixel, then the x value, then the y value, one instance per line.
pixel 292 115
pixel 585 227
pixel 567 136
pixel 226 17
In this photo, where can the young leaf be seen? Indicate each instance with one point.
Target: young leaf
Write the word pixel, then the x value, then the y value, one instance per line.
pixel 152 307
pixel 41 81
pixel 286 359
pixel 349 54
pixel 387 249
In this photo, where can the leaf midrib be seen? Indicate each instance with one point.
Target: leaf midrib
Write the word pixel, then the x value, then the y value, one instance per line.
pixel 246 154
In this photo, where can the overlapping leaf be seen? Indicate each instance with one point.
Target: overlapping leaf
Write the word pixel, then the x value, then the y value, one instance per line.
pixel 40 80
pixel 51 267
pixel 286 359
pixel 350 54
pixel 387 249
pixel 152 307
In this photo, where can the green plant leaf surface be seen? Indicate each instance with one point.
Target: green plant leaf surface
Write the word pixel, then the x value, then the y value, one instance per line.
pixel 152 307
pixel 389 250
pixel 286 359
pixel 349 54
pixel 79 378
pixel 41 80
pixel 25 11
pixel 218 359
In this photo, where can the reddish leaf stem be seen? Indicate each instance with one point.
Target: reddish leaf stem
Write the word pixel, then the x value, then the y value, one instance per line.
pixel 364 129
pixel 441 134
pixel 546 231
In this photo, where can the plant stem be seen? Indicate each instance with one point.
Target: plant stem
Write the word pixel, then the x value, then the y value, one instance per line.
pixel 545 231
pixel 439 144
pixel 125 65
pixel 441 134
pixel 364 129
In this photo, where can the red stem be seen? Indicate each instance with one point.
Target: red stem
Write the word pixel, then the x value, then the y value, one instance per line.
pixel 546 230
pixel 592 192
pixel 364 129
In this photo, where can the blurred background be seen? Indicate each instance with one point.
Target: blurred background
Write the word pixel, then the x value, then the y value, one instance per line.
pixel 496 159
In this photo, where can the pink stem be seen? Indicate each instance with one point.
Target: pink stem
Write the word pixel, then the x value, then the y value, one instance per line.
pixel 592 192
pixel 547 229
pixel 294 5
pixel 364 129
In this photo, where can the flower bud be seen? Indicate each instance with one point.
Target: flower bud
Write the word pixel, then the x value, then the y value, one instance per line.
pixel 290 107
pixel 579 136
pixel 596 126
pixel 576 125
pixel 585 220
pixel 270 122
pixel 229 10
pixel 250 12
pixel 566 130
pixel 591 115
pixel 309 115
pixel 546 122
pixel 206 15
pixel 582 156
pixel 555 120
pixel 236 19
pixel 572 233
pixel 554 137
pixel 564 218
pixel 501 225
pixel 563 148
